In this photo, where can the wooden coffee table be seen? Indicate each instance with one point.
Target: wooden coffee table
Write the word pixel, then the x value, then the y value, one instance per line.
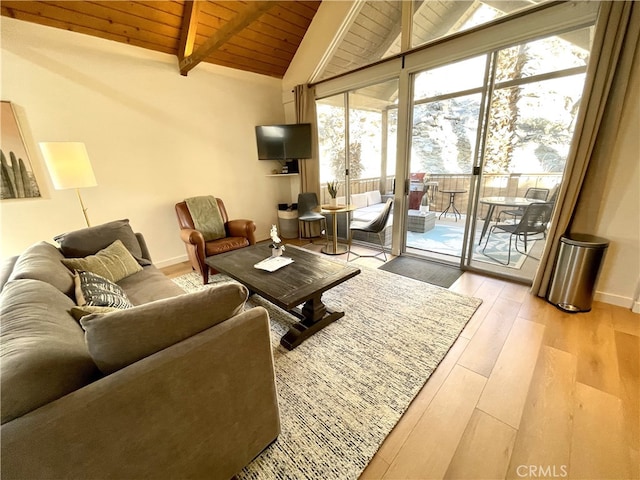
pixel 301 282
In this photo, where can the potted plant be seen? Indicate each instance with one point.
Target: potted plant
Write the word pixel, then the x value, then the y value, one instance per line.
pixel 332 187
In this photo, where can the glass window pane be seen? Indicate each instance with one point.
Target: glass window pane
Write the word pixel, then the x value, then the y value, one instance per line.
pixel 392 141
pixel 530 127
pixel 372 124
pixel 549 54
pixel 444 135
pixel 455 77
pixel 369 122
pixel 331 137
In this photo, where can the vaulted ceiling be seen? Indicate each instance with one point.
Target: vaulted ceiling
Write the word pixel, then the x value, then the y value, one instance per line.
pixel 255 36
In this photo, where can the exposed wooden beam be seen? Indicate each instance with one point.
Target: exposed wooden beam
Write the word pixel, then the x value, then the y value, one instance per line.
pixel 253 12
pixel 188 29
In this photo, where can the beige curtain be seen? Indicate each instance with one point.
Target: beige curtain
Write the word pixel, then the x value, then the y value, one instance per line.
pixel 305 103
pixel 614 46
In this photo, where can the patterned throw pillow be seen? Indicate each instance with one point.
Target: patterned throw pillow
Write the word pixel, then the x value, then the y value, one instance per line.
pixel 96 291
pixel 113 263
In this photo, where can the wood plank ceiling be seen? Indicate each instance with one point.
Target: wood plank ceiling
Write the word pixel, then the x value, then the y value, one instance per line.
pixel 259 37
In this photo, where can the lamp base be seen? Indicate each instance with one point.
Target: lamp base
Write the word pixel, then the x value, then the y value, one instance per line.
pixel 84 209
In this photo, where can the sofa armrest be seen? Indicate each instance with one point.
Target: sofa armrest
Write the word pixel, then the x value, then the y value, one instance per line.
pixel 120 338
pixel 6 268
pixel 202 408
pixel 143 247
pixel 242 228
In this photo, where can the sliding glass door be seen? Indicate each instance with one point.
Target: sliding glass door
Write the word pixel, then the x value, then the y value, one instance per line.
pixel 446 108
pixel 490 135
pixel 488 112
pixel 358 136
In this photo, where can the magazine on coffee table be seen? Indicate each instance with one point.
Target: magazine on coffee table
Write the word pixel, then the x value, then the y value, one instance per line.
pixel 272 264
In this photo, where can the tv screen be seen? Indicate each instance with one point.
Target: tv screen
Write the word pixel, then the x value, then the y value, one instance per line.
pixel 284 142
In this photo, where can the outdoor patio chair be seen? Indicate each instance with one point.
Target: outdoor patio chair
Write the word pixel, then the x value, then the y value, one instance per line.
pixel 307 206
pixel 534 221
pixel 374 226
pixel 531 193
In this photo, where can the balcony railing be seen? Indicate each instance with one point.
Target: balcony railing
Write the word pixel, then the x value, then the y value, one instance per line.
pixel 492 185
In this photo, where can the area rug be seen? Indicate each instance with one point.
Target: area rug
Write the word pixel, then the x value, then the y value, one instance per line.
pixel 447 239
pixel 423 270
pixel 344 389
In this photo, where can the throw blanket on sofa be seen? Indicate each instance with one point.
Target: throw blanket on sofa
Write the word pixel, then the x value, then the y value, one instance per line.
pixel 206 217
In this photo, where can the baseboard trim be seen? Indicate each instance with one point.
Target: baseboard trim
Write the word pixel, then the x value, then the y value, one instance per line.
pixel 171 261
pixel 618 300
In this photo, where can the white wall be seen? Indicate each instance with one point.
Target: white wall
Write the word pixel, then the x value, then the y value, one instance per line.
pixel 619 217
pixel 154 137
pixel 328 25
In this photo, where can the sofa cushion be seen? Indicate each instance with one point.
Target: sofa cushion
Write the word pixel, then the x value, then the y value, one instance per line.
pixel 373 197
pixel 120 338
pixel 43 355
pixel 359 200
pixel 42 262
pixel 149 285
pixel 113 263
pixel 88 241
pixel 95 291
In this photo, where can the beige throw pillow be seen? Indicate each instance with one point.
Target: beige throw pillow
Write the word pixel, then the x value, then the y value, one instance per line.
pixel 113 263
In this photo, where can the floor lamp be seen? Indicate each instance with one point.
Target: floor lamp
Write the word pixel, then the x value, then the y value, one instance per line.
pixel 69 166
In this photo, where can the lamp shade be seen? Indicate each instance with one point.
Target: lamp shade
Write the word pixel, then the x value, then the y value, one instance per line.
pixel 68 164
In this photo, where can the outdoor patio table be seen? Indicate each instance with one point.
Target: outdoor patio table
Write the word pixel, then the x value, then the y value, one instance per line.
pixel 494 202
pixel 452 206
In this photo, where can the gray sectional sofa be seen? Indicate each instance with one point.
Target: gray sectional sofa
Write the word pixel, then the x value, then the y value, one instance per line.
pixel 178 386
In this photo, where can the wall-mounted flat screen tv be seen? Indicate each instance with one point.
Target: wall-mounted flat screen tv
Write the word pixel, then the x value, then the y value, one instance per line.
pixel 284 142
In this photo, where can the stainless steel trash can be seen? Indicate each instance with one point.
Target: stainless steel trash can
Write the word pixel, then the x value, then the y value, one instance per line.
pixel 576 272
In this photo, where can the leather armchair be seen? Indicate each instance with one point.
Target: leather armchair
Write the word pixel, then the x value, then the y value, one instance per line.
pixel 240 233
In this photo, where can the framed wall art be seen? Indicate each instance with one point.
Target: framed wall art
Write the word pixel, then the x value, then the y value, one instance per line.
pixel 16 172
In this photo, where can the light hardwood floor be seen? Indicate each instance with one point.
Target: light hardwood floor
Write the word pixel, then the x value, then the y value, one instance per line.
pixel 527 391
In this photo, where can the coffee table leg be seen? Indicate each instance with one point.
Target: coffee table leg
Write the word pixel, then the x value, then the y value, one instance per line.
pixel 314 317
